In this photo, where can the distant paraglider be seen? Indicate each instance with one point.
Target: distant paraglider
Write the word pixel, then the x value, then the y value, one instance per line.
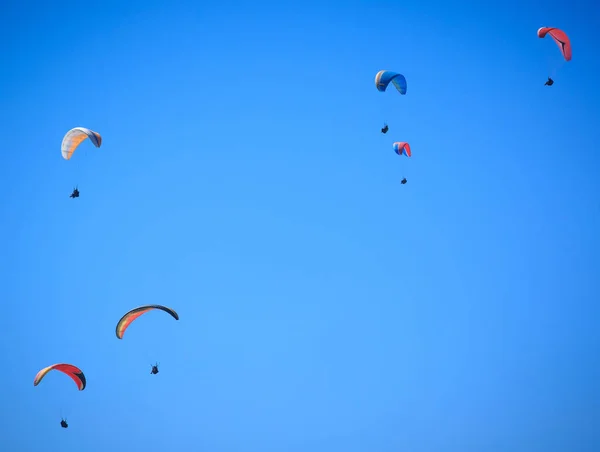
pixel 562 41
pixel 402 148
pixel 383 79
pixel 71 141
pixel 132 315
pixel 71 371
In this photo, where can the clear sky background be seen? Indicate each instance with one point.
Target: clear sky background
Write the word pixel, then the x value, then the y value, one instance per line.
pixel 244 182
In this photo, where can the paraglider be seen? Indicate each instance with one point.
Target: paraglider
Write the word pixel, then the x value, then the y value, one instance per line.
pixel 71 371
pixel 68 369
pixel 71 141
pixel 130 316
pixel 402 148
pixel 383 79
pixel 562 41
pixel 74 137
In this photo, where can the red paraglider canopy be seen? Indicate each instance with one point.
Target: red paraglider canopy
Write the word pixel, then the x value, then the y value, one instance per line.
pixel 561 39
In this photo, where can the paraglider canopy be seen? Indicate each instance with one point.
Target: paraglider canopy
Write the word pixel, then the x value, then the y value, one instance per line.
pixel 561 39
pixel 68 369
pixel 402 148
pixel 383 79
pixel 74 137
pixel 130 316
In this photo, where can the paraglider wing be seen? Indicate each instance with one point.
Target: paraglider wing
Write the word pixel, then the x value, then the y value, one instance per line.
pixel 402 148
pixel 561 39
pixel 128 318
pixel 383 79
pixel 74 372
pixel 75 137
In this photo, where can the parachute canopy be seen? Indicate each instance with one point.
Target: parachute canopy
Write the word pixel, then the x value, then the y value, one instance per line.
pixel 561 39
pixel 401 147
pixel 383 79
pixel 75 137
pixel 74 372
pixel 128 318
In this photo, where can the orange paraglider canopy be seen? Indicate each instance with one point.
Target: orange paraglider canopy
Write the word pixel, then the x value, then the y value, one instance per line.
pixel 135 313
pixel 68 369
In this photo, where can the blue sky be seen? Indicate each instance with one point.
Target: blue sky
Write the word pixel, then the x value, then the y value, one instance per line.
pixel 243 181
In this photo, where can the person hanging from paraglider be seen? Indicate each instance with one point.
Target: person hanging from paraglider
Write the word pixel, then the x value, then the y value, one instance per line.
pixel 63 423
pixel 154 370
pixel 549 82
pixel 403 181
pixel 75 193
pixel 385 128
